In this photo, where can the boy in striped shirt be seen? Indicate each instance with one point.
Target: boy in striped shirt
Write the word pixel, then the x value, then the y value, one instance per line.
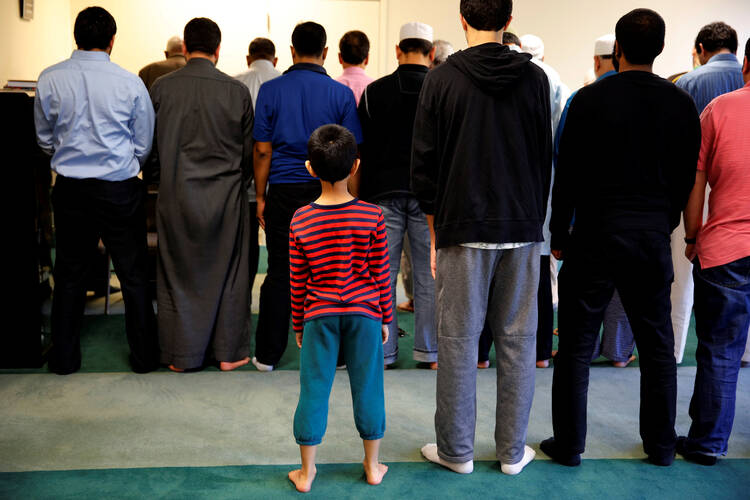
pixel 341 299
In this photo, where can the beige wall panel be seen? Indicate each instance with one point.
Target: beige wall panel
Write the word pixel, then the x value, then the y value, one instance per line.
pixel 31 46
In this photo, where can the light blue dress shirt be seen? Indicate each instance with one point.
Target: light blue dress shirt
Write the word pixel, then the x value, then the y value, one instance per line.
pixel 721 74
pixel 94 118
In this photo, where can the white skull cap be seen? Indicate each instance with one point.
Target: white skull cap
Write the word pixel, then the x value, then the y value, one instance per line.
pixel 416 30
pixel 604 45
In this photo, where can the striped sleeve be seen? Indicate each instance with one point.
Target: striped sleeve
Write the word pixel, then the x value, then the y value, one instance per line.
pixel 299 272
pixel 378 263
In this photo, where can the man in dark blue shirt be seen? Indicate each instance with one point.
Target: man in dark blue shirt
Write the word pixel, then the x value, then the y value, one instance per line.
pixel 288 110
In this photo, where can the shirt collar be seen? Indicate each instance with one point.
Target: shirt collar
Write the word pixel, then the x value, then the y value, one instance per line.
pixel 607 74
pixel 262 64
pixel 354 70
pixel 722 57
pixel 89 55
pixel 307 66
pixel 413 67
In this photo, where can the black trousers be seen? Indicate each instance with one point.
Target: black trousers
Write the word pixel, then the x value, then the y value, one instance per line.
pixel 275 306
pixel 86 210
pixel 639 265
pixel 544 326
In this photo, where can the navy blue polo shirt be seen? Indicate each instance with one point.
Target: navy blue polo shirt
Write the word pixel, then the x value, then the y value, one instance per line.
pixel 291 107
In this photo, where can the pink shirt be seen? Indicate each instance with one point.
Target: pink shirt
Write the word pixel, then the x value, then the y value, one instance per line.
pixel 725 157
pixel 356 79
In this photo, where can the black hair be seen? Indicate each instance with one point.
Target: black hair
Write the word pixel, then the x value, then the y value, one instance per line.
pixel 511 39
pixel 94 29
pixel 747 49
pixel 354 47
pixel 640 35
pixel 415 45
pixel 309 39
pixel 332 150
pixel 262 48
pixel 716 36
pixel 202 35
pixel 487 15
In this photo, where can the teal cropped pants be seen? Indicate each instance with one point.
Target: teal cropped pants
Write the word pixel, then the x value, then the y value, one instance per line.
pixel 360 340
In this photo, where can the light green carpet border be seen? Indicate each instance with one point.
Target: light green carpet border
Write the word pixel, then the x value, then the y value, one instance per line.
pixel 594 479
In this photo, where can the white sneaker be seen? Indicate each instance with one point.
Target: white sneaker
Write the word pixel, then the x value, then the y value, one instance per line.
pixel 513 469
pixel 261 367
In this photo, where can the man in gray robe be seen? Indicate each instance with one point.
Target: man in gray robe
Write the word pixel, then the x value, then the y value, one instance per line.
pixel 203 161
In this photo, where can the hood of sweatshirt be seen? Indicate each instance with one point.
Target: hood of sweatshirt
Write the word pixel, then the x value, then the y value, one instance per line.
pixel 491 67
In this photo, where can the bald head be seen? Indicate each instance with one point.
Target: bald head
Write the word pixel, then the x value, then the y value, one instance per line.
pixel 174 46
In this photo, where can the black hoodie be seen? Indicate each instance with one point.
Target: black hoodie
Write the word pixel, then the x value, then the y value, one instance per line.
pixel 482 147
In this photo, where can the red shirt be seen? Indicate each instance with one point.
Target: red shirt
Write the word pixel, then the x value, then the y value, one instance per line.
pixel 338 262
pixel 725 157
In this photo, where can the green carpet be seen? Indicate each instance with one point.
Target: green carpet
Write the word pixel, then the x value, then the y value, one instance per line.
pixel 104 347
pixel 611 479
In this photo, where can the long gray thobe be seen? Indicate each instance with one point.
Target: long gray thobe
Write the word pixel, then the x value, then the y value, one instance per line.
pixel 203 162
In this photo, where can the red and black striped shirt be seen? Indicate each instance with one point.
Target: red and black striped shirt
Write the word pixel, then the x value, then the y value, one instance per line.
pixel 338 262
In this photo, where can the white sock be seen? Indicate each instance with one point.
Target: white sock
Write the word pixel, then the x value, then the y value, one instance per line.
pixel 513 469
pixel 261 367
pixel 430 453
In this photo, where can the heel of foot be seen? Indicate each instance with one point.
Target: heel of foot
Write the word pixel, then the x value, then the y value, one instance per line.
pixel 429 451
pixel 513 469
pixel 261 367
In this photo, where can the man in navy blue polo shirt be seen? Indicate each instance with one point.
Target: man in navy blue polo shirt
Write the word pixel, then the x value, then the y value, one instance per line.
pixel 288 110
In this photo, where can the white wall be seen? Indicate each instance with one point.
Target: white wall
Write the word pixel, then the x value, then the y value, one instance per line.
pixel 568 28
pixel 31 46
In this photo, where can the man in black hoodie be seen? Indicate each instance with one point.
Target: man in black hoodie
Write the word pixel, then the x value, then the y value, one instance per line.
pixel 624 213
pixel 481 161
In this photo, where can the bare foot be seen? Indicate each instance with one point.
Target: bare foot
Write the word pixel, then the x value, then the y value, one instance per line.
pixel 302 482
pixel 226 366
pixel 175 369
pixel 407 306
pixel 543 364
pixel 623 364
pixel 375 474
pixel 483 364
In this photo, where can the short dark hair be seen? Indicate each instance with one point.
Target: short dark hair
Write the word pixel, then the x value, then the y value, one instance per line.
pixel 487 15
pixel 94 29
pixel 747 49
pixel 332 150
pixel 640 35
pixel 202 35
pixel 511 39
pixel 262 48
pixel 309 39
pixel 415 45
pixel 354 47
pixel 716 36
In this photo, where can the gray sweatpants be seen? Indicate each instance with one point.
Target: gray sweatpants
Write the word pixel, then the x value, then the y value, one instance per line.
pixel 501 285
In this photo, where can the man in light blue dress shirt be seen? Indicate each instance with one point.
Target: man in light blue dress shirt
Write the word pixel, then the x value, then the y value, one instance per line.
pixel 96 121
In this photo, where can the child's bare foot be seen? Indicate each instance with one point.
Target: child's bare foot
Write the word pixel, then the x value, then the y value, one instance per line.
pixel 375 474
pixel 226 366
pixel 301 481
pixel 175 369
